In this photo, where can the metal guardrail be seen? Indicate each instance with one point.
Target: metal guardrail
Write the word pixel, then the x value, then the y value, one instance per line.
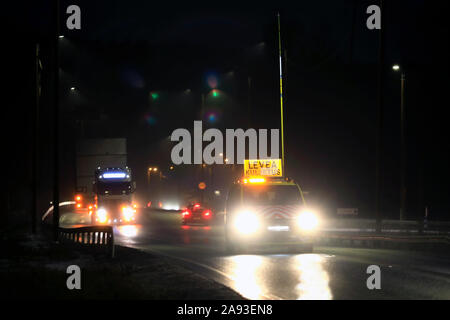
pixel 368 226
pixel 91 236
pixel 388 241
pixel 61 204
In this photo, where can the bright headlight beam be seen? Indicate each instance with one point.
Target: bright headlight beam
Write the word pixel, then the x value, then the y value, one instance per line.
pixel 128 213
pixel 102 215
pixel 246 222
pixel 307 221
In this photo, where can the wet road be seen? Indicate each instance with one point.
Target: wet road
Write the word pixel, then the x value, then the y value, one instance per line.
pixel 328 273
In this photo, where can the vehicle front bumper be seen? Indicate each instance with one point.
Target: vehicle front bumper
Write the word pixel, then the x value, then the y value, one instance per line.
pixel 272 231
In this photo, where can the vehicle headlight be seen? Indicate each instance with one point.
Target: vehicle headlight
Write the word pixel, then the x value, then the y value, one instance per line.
pixel 307 221
pixel 246 222
pixel 128 213
pixel 102 215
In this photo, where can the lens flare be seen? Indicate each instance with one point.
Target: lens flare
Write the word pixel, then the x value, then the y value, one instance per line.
pixel 151 120
pixel 212 81
pixel 154 95
pixel 132 78
pixel 212 117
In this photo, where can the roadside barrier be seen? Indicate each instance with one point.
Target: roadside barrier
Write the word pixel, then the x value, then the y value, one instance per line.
pixel 382 241
pixel 96 237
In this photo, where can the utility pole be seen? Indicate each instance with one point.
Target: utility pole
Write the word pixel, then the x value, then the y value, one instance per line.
pixel 379 143
pixel 249 102
pixel 403 149
pixel 34 169
pixel 56 127
pixel 148 182
pixel 352 33
pixel 281 96
pixel 202 175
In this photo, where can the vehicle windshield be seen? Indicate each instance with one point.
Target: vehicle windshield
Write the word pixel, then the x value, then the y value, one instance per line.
pixel 114 188
pixel 272 195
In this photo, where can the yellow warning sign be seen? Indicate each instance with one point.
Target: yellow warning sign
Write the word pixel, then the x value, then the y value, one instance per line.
pixel 264 167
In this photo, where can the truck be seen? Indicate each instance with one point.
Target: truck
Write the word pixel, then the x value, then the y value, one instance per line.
pixel 113 196
pixel 104 182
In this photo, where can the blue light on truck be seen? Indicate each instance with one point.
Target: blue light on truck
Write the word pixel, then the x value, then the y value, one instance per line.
pixel 114 175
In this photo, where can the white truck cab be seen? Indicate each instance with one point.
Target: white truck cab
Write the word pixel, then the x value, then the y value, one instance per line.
pixel 113 189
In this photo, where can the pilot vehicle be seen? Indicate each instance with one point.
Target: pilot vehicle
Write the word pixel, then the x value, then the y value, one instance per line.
pixel 261 211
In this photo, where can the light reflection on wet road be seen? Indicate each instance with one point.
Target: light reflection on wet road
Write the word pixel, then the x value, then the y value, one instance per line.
pixel 328 273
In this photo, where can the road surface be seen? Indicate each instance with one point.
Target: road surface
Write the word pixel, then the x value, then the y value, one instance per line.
pixel 328 273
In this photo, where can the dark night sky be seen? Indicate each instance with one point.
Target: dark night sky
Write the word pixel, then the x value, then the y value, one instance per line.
pixel 127 49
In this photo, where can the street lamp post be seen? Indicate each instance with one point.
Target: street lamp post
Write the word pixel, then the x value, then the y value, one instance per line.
pixel 215 94
pixel 202 176
pixel 403 143
pixel 151 170
pixel 56 127
pixel 249 107
pixel 34 168
pixel 281 96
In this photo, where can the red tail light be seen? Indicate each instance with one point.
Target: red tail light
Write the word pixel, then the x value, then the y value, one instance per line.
pixel 207 214
pixel 196 206
pixel 186 213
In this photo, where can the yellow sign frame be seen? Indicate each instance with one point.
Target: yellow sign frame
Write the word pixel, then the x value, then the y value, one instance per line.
pixel 263 168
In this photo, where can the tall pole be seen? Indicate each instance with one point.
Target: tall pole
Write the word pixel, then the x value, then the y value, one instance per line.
pixel 148 182
pixel 35 142
pixel 56 128
pixel 379 142
pixel 202 175
pixel 403 149
pixel 249 102
pixel 281 96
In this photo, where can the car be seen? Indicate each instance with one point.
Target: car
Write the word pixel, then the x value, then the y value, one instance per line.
pixel 264 211
pixel 196 214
